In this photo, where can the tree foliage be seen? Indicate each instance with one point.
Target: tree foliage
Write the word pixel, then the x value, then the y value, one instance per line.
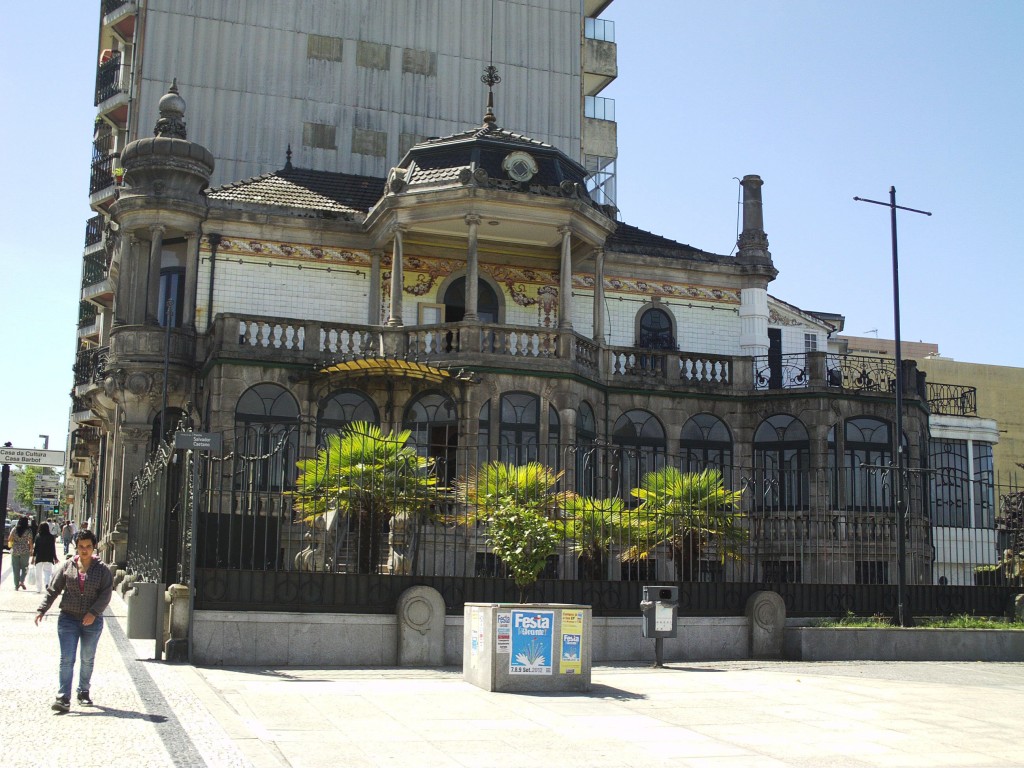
pixel 365 474
pixel 692 513
pixel 593 526
pixel 521 506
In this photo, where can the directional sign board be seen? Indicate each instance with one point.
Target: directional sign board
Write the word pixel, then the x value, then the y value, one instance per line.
pixel 34 456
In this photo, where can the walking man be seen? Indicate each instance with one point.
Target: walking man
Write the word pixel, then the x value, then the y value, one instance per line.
pixel 86 584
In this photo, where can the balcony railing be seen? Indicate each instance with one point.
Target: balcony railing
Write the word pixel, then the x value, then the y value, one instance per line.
pixel 445 345
pixel 102 175
pixel 108 78
pixel 952 399
pixel 86 314
pixel 599 29
pixel 94 269
pixel 94 230
pixel 599 108
pixel 90 365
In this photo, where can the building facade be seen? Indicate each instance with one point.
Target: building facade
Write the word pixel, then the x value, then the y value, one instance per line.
pixel 476 289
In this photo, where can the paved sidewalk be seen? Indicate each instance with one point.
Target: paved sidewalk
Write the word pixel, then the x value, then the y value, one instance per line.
pixel 718 715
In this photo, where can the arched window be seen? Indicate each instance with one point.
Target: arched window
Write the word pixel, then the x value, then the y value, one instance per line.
pixel 341 408
pixel 586 451
pixel 266 438
pixel 172 418
pixel 433 420
pixel 519 435
pixel 656 330
pixel 782 451
pixel 867 448
pixel 705 443
pixel 487 305
pixel 640 440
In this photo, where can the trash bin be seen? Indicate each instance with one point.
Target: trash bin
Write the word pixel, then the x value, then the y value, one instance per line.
pixel 659 609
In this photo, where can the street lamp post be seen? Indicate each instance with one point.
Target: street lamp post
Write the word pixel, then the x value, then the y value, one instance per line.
pixel 899 497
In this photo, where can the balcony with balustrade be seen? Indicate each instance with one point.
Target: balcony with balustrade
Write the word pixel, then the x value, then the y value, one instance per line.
pixel 112 76
pixel 119 18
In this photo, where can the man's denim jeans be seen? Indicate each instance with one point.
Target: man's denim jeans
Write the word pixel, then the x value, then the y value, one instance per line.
pixel 71 632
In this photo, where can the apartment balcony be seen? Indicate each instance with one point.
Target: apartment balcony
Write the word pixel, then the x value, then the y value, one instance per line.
pixel 111 98
pixel 102 187
pixel 90 368
pixel 96 284
pixel 94 234
pixel 119 17
pixel 88 321
pixel 600 131
pixel 952 399
pixel 600 56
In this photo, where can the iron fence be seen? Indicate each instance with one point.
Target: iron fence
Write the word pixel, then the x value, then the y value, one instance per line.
pixel 108 78
pixel 347 529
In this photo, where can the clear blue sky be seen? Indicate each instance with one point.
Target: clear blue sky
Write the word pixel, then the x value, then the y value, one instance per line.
pixel 824 100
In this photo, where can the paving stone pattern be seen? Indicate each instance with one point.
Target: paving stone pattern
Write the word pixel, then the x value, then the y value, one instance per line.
pixel 736 714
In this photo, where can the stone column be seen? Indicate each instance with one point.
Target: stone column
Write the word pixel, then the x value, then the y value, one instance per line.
pixel 395 315
pixel 188 310
pixel 134 441
pixel 599 295
pixel 154 312
pixel 472 270
pixel 754 321
pixel 565 281
pixel 125 276
pixel 373 308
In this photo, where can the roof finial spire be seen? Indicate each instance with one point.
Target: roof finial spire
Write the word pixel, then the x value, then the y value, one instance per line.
pixel 288 158
pixel 491 78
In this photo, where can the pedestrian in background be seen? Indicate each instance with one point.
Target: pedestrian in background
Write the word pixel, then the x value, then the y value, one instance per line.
pixel 20 544
pixel 44 555
pixel 67 536
pixel 86 584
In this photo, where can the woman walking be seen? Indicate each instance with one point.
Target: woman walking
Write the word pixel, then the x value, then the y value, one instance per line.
pixel 45 555
pixel 20 543
pixel 86 584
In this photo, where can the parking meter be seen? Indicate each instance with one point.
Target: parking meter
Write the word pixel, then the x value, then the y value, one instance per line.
pixel 659 609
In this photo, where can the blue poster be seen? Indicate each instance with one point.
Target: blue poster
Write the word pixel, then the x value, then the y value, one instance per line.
pixel 532 635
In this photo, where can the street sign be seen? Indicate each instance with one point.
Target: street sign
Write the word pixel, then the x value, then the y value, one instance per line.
pixel 197 441
pixel 44 502
pixel 35 456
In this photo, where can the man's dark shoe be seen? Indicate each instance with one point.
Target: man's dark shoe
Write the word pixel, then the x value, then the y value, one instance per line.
pixel 61 704
pixel 83 698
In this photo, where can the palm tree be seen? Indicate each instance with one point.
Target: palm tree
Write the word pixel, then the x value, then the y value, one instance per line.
pixel 368 477
pixel 593 526
pixel 521 507
pixel 692 513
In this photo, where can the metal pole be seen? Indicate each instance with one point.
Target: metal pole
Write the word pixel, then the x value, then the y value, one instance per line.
pixel 899 498
pixel 193 456
pixel 899 502
pixel 5 480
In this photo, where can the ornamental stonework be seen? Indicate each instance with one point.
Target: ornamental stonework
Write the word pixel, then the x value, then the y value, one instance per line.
pixel 262 249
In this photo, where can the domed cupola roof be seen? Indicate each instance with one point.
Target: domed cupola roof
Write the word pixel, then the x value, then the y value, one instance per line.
pixel 168 161
pixel 490 157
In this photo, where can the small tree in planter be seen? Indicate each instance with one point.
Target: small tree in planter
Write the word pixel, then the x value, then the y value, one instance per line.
pixel 371 477
pixel 521 507
pixel 689 512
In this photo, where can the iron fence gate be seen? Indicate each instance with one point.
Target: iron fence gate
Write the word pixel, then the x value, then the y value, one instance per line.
pixel 270 539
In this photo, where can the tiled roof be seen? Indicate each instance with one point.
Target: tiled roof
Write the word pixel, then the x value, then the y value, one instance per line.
pixel 325 191
pixel 488 131
pixel 630 239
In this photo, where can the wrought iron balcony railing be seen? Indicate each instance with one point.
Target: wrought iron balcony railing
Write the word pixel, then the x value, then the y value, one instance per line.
pixel 90 365
pixel 108 78
pixel 86 314
pixel 94 230
pixel 94 269
pixel 102 175
pixel 952 399
pixel 861 373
